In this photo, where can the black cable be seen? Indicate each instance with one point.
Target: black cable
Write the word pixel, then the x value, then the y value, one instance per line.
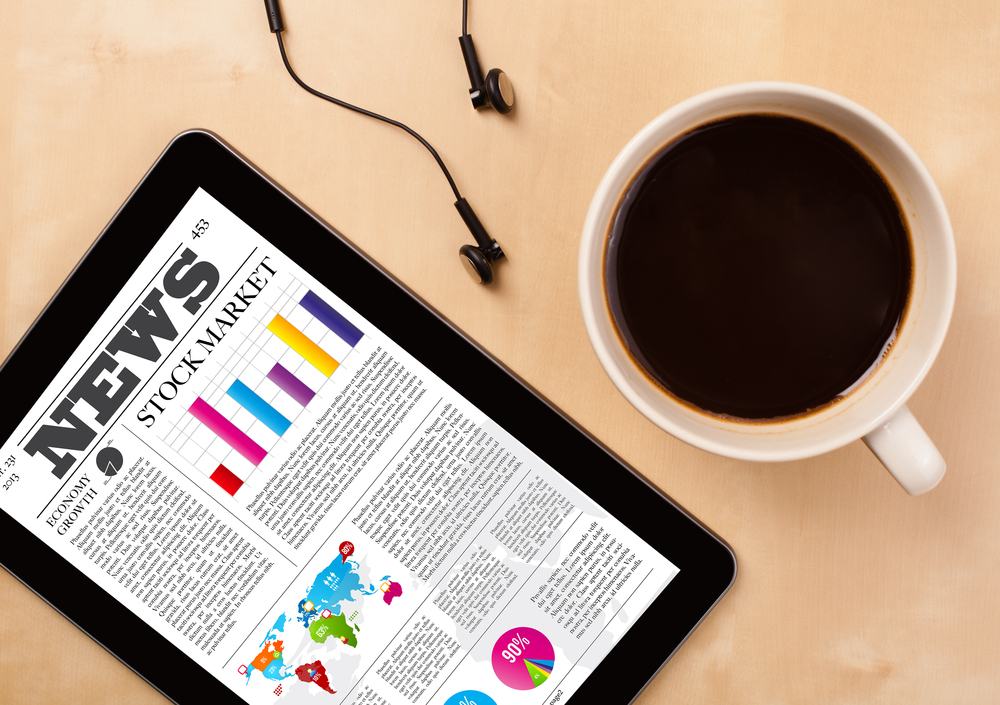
pixel 401 126
pixel 465 14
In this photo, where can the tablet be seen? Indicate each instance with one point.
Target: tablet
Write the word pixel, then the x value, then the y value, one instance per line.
pixel 255 467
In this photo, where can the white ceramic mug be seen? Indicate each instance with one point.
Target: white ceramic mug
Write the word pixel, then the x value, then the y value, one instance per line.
pixel 875 410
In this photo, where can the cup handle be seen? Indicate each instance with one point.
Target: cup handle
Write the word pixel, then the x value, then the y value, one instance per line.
pixel 907 452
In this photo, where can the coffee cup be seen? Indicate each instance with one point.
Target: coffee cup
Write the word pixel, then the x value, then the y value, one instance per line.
pixel 874 410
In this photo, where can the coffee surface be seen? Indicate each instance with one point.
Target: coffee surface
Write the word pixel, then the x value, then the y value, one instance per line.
pixel 757 267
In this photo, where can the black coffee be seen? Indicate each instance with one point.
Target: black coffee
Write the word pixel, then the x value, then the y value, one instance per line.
pixel 757 267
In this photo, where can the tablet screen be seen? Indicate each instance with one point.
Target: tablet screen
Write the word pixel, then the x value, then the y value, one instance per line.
pixel 303 508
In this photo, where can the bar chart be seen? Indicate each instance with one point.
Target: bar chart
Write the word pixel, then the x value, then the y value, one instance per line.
pixel 255 388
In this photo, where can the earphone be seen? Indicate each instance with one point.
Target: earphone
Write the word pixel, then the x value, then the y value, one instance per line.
pixel 495 90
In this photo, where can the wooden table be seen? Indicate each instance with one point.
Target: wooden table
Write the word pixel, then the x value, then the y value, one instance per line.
pixel 849 590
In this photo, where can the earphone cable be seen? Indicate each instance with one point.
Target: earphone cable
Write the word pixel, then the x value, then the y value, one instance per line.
pixel 401 126
pixel 465 14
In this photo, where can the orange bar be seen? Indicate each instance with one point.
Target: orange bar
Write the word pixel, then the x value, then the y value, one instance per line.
pixel 297 341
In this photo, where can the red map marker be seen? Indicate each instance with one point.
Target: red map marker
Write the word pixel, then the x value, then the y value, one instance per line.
pixel 346 549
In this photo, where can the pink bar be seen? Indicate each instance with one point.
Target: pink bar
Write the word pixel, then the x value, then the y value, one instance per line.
pixel 224 429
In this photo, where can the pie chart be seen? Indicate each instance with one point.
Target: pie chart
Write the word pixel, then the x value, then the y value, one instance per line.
pixel 523 658
pixel 110 461
pixel 470 697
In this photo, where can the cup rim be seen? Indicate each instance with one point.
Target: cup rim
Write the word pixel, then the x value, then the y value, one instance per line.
pixel 618 175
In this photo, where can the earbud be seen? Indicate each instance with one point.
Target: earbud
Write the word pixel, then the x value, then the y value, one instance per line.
pixel 496 90
pixel 477 260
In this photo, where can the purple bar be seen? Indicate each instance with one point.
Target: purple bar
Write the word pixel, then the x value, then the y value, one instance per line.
pixel 290 384
pixel 224 429
pixel 346 330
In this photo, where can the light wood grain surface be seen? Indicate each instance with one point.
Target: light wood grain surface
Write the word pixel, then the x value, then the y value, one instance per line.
pixel 849 590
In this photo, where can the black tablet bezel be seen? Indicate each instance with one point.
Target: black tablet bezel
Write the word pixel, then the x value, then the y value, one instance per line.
pixel 201 159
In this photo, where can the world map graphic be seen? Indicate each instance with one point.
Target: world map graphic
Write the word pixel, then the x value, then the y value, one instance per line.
pixel 329 614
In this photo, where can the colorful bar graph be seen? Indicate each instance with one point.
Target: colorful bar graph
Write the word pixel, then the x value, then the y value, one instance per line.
pixel 290 384
pixel 206 455
pixel 225 479
pixel 264 412
pixel 224 429
pixel 297 341
pixel 326 315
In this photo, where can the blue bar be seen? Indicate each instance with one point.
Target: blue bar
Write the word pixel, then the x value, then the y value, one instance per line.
pixel 267 414
pixel 344 329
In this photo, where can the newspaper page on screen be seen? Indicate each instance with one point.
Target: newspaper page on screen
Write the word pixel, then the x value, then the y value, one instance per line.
pixel 302 507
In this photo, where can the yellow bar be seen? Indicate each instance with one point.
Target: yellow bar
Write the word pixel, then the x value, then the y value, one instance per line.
pixel 297 341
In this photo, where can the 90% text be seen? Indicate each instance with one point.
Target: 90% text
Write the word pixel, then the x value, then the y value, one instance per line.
pixel 514 649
